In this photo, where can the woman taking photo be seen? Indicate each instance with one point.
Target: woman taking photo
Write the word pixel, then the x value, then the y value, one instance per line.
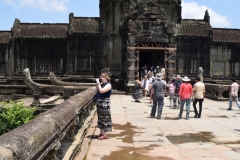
pixel 104 90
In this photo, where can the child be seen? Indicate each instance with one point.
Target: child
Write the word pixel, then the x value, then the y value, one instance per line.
pixel 145 84
pixel 171 92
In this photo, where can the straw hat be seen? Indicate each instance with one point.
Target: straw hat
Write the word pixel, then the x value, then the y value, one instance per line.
pixel 159 76
pixel 185 79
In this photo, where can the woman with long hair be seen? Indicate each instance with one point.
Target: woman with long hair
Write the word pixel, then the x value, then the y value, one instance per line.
pixel 104 90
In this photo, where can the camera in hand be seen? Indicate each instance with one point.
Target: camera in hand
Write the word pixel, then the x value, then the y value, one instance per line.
pixel 100 80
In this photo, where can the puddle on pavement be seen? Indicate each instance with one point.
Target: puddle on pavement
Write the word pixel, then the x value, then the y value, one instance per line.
pixel 135 154
pixel 127 131
pixel 223 116
pixel 199 137
pixel 191 137
pixel 237 113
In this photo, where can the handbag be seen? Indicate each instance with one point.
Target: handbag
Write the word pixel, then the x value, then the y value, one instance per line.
pixel 95 97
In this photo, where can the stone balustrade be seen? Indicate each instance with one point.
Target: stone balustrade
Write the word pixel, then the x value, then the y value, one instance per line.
pixel 218 92
pixel 41 137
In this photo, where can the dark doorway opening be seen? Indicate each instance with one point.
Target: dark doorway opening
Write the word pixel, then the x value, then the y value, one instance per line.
pixel 151 58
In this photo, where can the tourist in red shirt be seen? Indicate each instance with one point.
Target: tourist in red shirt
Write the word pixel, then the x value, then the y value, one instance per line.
pixel 185 95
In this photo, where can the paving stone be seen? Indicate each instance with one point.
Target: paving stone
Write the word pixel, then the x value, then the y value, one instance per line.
pixel 231 155
pixel 213 137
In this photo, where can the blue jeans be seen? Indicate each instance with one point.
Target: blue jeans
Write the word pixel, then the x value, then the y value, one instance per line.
pixel 157 101
pixel 188 103
pixel 233 99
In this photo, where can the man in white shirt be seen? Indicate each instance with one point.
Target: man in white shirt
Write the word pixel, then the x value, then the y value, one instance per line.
pixel 199 89
pixel 162 71
pixel 233 94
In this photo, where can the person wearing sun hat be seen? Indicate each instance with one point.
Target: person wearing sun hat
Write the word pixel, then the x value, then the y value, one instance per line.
pixel 185 95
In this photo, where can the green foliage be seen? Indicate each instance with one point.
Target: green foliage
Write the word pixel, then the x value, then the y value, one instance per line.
pixel 14 114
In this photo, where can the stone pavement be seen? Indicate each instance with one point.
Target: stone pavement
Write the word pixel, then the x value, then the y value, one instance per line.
pixel 215 136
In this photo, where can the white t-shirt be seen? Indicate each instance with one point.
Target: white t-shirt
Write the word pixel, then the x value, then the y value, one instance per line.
pixel 200 89
pixel 146 84
pixel 151 79
pixel 163 71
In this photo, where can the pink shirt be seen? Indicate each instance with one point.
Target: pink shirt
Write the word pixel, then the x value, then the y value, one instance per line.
pixel 234 89
pixel 171 89
pixel 185 91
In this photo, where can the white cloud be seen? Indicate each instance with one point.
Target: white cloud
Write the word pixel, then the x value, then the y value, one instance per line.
pixel 192 10
pixel 44 5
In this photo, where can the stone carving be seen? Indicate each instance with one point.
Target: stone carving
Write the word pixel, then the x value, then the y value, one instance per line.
pixel 55 81
pixel 147 18
pixel 200 73
pixel 38 89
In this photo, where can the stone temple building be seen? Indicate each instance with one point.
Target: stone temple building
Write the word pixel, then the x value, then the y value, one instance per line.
pixel 127 35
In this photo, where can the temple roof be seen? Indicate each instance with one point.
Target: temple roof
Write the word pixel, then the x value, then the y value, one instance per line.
pixel 197 28
pixel 84 25
pixel 226 35
pixel 5 37
pixel 37 30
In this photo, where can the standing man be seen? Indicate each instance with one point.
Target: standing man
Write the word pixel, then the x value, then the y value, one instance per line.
pixel 157 70
pixel 177 84
pixel 162 71
pixel 233 94
pixel 199 89
pixel 185 95
pixel 158 97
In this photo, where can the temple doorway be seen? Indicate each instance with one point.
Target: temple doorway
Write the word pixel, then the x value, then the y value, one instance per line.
pixel 151 58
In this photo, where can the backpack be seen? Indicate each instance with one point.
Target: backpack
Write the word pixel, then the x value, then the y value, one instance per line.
pixel 177 85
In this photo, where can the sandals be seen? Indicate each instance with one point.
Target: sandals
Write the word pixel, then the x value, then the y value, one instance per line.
pixel 102 137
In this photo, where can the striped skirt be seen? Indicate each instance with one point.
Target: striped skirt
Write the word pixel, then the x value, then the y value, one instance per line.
pixel 104 114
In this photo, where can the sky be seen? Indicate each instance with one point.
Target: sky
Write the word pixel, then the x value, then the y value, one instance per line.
pixel 223 13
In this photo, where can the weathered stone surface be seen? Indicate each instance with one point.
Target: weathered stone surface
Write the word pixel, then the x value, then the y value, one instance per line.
pixel 55 81
pixel 29 139
pixel 36 138
pixel 53 89
pixel 6 154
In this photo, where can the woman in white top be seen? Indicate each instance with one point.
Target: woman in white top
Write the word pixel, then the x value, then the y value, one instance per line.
pixel 199 90
pixel 145 84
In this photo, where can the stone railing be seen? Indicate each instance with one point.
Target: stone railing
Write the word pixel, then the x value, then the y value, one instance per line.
pixel 41 137
pixel 218 92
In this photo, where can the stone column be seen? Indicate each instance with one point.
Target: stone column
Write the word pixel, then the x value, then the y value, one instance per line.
pixel 171 62
pixel 131 49
pixel 10 59
pixel 6 62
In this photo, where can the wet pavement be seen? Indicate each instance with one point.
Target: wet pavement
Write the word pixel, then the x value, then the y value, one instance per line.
pixel 214 136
